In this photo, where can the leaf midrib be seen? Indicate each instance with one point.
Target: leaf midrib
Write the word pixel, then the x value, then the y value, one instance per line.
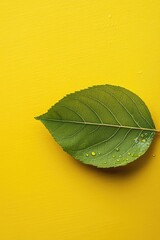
pixel 98 124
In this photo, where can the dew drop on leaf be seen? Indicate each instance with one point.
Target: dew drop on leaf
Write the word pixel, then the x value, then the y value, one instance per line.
pixel 93 153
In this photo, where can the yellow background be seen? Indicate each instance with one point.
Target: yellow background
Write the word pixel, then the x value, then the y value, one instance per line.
pixel 50 48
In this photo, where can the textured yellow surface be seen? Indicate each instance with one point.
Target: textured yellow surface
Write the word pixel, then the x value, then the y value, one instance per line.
pixel 48 49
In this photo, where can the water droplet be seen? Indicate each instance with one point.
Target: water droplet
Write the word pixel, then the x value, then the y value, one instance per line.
pixel 146 134
pixel 99 153
pixel 126 159
pixel 120 156
pixel 153 155
pixel 117 149
pixel 117 160
pixel 87 154
pixel 129 153
pixel 142 135
pixel 93 153
pixel 132 154
pixel 143 140
pixel 113 156
pixel 105 162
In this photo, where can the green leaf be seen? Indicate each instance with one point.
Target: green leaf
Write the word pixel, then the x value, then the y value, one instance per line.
pixel 105 126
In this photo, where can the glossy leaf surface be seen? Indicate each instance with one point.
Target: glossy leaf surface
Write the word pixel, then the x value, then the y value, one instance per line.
pixel 105 126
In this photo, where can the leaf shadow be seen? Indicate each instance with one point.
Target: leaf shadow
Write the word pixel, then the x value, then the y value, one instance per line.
pixel 129 169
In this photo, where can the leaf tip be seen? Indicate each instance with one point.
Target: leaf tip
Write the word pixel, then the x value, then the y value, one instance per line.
pixel 37 118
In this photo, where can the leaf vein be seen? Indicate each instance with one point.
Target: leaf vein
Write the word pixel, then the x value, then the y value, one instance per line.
pixel 136 107
pixel 123 107
pixel 93 98
pixel 96 144
pixel 118 145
